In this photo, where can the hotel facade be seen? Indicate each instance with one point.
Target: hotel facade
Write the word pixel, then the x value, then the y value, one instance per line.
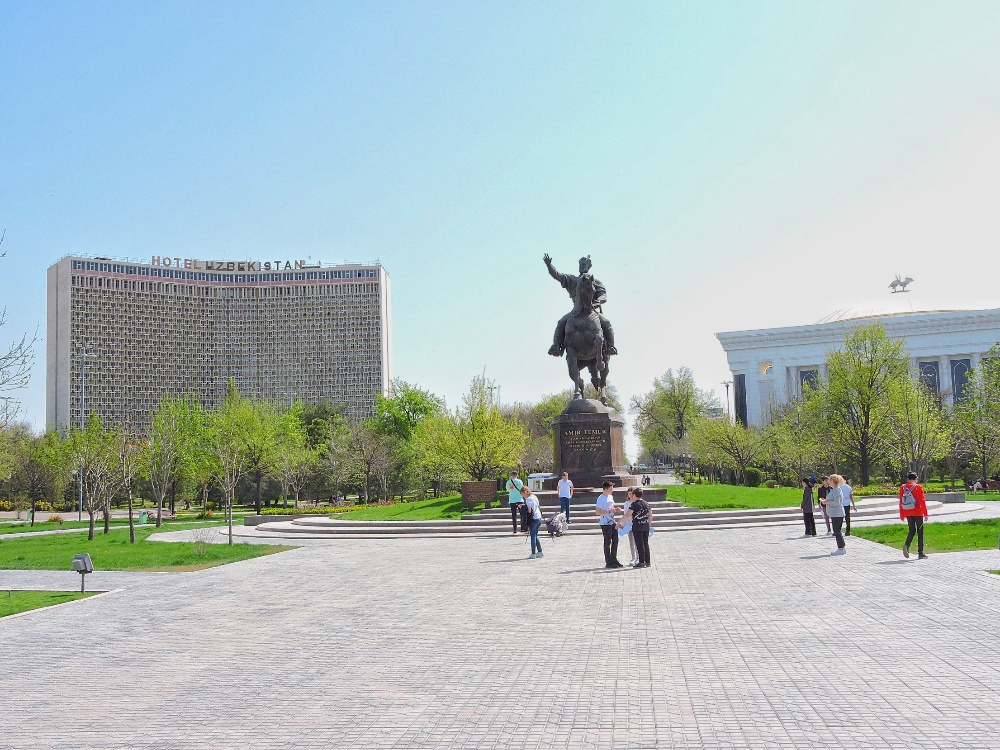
pixel 122 334
pixel 770 366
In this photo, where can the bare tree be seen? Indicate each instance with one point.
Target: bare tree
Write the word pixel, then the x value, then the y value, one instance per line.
pixel 16 360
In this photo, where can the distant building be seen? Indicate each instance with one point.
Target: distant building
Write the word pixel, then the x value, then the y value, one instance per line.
pixel 281 330
pixel 770 365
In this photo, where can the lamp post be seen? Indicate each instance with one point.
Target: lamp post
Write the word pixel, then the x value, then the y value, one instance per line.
pixel 727 383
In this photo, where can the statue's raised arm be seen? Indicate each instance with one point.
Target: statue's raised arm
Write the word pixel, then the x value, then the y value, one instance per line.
pixel 552 269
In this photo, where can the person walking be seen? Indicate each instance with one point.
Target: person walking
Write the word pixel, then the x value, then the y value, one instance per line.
pixel 641 516
pixel 534 520
pixel 516 502
pixel 849 503
pixel 835 509
pixel 807 508
pixel 821 493
pixel 565 494
pixel 913 508
pixel 606 510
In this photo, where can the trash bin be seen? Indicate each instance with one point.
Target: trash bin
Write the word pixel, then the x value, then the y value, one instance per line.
pixel 143 516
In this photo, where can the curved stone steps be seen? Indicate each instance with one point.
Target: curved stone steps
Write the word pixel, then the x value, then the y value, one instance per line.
pixel 673 518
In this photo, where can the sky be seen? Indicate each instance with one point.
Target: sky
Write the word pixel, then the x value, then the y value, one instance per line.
pixel 726 165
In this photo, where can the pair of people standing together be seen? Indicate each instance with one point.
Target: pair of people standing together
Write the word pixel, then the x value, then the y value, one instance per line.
pixel 637 512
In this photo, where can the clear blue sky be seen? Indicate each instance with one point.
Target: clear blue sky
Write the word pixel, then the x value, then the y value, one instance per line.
pixel 727 165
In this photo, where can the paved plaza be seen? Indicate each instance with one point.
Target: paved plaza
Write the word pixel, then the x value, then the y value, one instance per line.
pixel 751 638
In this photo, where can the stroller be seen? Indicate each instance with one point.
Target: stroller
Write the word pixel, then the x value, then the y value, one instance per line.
pixel 556 526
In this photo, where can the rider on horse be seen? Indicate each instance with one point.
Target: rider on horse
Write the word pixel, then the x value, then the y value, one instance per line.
pixel 571 284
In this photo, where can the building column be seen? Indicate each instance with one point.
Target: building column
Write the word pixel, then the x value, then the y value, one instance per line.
pixel 944 374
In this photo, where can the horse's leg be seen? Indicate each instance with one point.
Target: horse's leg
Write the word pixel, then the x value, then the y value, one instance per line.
pixel 599 370
pixel 574 372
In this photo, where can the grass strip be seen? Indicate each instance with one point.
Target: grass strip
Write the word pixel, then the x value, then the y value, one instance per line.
pixel 727 496
pixel 954 536
pixel 15 602
pixel 431 509
pixel 114 552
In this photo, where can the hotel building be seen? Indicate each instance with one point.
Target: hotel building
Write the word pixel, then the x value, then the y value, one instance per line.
pixel 122 334
pixel 770 366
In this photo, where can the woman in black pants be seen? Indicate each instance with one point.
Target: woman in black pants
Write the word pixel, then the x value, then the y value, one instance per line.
pixel 641 516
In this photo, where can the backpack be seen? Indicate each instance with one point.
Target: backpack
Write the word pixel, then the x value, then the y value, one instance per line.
pixel 909 502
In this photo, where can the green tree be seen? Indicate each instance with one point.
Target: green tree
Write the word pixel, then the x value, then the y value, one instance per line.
pixel 260 442
pixel 665 415
pixel 398 415
pixel 167 442
pixel 915 431
pixel 796 433
pixel 978 413
pixel 294 459
pixel 130 454
pixel 861 378
pixel 39 469
pixel 723 442
pixel 228 426
pixel 477 439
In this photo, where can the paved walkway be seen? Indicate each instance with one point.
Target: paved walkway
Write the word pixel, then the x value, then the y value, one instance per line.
pixel 750 638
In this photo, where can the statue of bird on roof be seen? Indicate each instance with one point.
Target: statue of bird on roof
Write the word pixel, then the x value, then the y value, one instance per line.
pixel 900 284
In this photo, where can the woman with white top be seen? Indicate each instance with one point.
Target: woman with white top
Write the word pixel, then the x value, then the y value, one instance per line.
pixel 835 509
pixel 629 497
pixel 534 520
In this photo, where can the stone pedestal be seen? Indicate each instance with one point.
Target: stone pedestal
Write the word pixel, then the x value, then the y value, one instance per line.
pixel 589 444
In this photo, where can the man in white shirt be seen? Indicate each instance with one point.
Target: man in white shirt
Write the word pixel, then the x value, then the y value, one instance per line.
pixel 565 494
pixel 606 510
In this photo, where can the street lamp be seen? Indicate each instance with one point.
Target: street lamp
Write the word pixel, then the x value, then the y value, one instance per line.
pixel 727 383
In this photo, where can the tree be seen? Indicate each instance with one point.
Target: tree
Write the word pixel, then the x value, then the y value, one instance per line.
pixel 370 456
pixel 227 428
pixel 16 360
pixel 664 416
pixel 91 448
pixel 477 439
pixel 796 433
pixel 335 452
pixel 167 439
pixel 978 414
pixel 399 414
pixel 957 447
pixel 724 442
pixel 861 377
pixel 294 459
pixel 260 442
pixel 38 469
pixel 130 460
pixel 915 431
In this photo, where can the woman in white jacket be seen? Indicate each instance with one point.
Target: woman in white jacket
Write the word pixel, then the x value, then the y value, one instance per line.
pixel 835 509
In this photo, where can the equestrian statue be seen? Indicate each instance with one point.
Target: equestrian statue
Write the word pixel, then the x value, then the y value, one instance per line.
pixel 584 335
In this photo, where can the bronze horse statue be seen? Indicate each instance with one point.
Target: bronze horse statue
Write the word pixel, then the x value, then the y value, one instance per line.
pixel 584 342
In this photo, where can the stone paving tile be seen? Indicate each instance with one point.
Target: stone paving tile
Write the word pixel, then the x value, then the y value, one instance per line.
pixel 750 638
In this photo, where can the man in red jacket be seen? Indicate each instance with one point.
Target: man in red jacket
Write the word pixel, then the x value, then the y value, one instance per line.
pixel 913 508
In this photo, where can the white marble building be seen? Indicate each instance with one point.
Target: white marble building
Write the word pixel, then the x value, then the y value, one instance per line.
pixel 770 365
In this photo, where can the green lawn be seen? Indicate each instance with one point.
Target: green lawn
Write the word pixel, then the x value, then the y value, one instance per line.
pixel 725 496
pixel 9 527
pixel 12 602
pixel 113 552
pixel 420 510
pixel 958 536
